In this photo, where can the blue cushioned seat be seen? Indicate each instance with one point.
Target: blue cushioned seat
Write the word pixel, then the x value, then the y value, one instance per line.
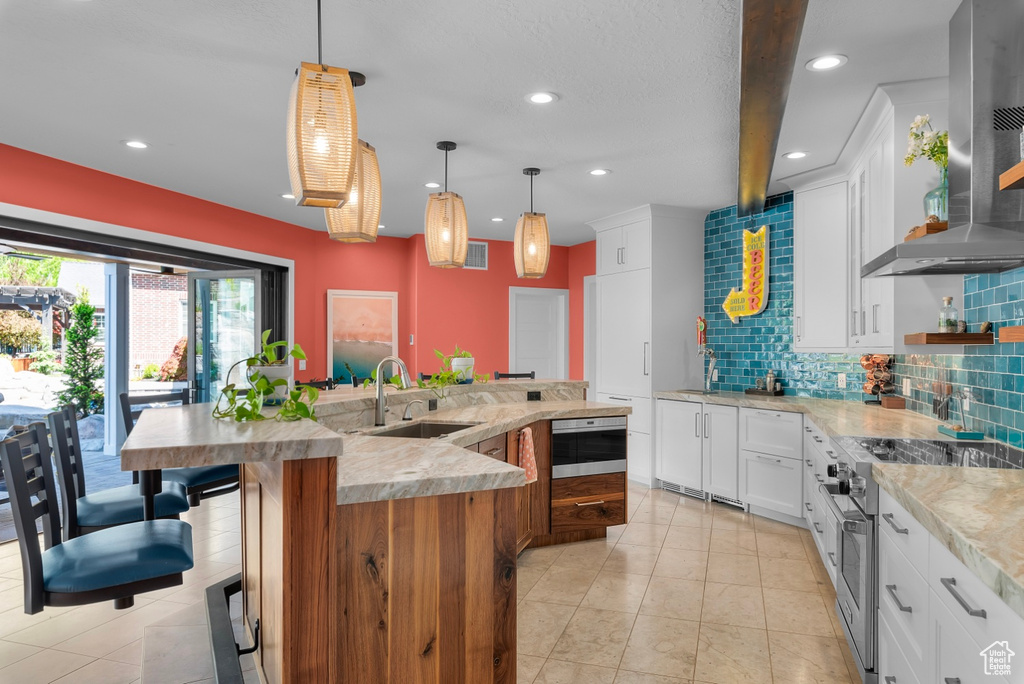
pixel 201 475
pixel 124 505
pixel 118 555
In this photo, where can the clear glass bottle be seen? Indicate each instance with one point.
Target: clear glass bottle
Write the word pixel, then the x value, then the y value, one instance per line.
pixel 948 316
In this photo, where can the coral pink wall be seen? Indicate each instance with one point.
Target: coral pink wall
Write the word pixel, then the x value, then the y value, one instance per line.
pixel 439 307
pixel 582 262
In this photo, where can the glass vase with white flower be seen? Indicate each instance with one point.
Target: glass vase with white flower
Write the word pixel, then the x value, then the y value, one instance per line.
pixel 923 141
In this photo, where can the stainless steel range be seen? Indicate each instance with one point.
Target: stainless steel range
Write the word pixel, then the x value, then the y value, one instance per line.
pixel 854 501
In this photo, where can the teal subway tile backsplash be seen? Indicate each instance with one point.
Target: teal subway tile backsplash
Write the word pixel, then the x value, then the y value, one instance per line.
pixel 757 344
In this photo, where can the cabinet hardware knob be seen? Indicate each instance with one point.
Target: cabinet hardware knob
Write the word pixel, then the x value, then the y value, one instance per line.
pixel 950 584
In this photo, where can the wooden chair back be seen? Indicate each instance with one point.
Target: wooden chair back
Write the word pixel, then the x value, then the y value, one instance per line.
pixel 532 375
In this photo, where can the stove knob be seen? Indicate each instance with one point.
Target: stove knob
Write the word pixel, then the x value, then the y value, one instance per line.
pixel 858 486
pixel 832 471
pixel 843 487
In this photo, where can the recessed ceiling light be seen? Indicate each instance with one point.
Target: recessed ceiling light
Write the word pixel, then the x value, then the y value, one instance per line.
pixel 600 172
pixel 288 195
pixel 826 62
pixel 381 226
pixel 541 98
pixel 497 219
pixel 795 155
pixel 432 185
pixel 136 144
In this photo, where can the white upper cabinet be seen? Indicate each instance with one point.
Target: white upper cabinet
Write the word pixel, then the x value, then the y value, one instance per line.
pixel 624 248
pixel 624 346
pixel 819 269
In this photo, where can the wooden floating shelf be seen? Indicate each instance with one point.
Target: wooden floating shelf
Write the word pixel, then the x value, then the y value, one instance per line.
pixel 926 229
pixel 949 338
pixel 1012 178
pixel 1012 333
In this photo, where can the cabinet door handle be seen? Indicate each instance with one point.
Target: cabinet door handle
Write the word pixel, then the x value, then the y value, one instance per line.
pixel 590 503
pixel 625 257
pixel 887 517
pixel 863 321
pixel 647 346
pixel 891 588
pixel 696 425
pixel 950 584
pixel 832 558
pixel 853 330
pixel 874 317
pixel 817 528
pixel 808 506
pixel 809 462
pixel 707 433
pixel 797 329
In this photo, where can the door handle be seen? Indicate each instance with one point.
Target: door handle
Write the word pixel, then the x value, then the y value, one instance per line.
pixel 853 331
pixel 950 584
pixel 797 326
pixel 887 517
pixel 647 346
pixel 863 321
pixel 624 257
pixel 874 317
pixel 707 434
pixel 891 588
pixel 696 425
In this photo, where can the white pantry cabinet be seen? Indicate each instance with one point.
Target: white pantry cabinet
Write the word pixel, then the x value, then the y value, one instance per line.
pixel 650 290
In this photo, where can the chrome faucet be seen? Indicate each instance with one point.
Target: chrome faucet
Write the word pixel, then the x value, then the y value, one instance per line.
pixel 381 407
pixel 707 351
pixel 408 409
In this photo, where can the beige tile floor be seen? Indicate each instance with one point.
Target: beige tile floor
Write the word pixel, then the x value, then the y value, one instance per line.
pixel 97 644
pixel 685 592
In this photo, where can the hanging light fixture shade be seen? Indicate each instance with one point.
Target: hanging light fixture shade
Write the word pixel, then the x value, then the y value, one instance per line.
pixel 358 219
pixel 447 230
pixel 532 245
pixel 322 136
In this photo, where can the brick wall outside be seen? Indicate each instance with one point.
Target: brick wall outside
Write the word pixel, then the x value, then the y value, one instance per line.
pixel 155 318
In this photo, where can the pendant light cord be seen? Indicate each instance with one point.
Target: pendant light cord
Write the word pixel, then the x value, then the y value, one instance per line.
pixel 446 170
pixel 531 194
pixel 319 34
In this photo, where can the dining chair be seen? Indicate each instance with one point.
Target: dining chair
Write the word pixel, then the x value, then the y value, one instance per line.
pixel 113 564
pixel 200 482
pixel 83 513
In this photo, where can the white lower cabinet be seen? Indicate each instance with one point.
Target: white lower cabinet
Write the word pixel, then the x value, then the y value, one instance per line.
pixel 696 447
pixel 721 451
pixel 638 437
pixel 893 666
pixel 773 482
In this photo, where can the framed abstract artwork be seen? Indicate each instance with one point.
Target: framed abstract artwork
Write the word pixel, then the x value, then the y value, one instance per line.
pixel 362 328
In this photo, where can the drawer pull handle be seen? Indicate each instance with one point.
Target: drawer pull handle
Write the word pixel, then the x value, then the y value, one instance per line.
pixel 832 558
pixel 817 528
pixel 494 452
pixel 809 462
pixel 808 506
pixel 590 503
pixel 950 584
pixel 620 398
pixel 818 477
pixel 832 455
pixel 817 439
pixel 891 588
pixel 765 413
pixel 768 458
pixel 952 680
pixel 807 429
pixel 887 517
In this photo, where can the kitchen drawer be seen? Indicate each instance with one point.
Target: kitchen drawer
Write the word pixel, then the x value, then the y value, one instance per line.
pixel 772 482
pixel 999 622
pixel 580 503
pixel 906 533
pixel 910 591
pixel 643 407
pixel 493 447
pixel 893 666
pixel 819 528
pixel 778 433
pixel 958 656
pixel 831 560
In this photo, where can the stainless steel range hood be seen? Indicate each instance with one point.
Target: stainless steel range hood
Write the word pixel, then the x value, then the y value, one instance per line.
pixel 986 112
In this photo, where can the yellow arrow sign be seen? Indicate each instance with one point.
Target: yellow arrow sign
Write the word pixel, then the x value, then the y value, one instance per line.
pixel 752 299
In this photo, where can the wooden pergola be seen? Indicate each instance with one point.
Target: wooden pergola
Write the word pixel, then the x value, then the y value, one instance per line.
pixel 51 303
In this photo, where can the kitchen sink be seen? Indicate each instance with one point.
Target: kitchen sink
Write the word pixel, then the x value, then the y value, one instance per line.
pixel 423 430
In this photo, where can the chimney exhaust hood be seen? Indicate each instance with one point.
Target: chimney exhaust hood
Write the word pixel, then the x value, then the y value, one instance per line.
pixel 986 112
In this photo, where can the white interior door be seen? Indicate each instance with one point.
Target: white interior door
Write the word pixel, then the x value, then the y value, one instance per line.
pixel 538 331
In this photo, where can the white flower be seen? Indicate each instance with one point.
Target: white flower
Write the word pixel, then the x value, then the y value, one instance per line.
pixel 920 121
pixel 929 137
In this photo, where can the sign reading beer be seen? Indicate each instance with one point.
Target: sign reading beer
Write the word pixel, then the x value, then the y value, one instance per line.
pixel 752 299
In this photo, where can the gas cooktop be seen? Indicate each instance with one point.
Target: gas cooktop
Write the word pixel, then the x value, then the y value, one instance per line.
pixel 934 452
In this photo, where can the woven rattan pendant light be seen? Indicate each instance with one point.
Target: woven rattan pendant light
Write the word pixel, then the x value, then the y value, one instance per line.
pixel 358 219
pixel 447 231
pixel 532 245
pixel 322 134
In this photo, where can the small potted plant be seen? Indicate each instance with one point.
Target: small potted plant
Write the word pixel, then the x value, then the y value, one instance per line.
pixel 274 363
pixel 461 363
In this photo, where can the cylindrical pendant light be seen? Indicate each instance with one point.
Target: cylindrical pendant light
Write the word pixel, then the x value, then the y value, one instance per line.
pixel 447 230
pixel 358 219
pixel 532 245
pixel 322 133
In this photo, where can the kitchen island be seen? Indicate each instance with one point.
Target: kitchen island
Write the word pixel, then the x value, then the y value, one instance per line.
pixel 370 558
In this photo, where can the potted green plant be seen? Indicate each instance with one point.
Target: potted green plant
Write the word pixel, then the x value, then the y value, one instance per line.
pixel 461 362
pixel 268 379
pixel 456 369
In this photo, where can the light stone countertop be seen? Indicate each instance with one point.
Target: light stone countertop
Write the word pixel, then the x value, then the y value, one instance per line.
pixel 975 512
pixel 385 468
pixel 834 417
pixel 182 436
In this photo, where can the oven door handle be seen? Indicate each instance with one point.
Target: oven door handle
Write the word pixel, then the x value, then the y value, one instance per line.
pixel 836 511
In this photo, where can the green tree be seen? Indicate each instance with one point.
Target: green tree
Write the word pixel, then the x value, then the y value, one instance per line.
pixel 41 272
pixel 83 360
pixel 19 329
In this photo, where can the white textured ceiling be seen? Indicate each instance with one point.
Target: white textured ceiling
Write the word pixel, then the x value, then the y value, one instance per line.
pixel 647 88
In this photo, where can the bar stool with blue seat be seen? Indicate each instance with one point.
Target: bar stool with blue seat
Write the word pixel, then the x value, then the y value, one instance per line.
pixel 113 564
pixel 84 513
pixel 200 482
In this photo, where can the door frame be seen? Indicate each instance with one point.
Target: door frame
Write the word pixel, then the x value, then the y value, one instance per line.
pixel 563 326
pixel 590 334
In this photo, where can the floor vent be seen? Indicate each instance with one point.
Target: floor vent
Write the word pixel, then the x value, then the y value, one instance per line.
pixel 695 493
pixel 476 256
pixel 680 489
pixel 727 500
pixel 671 487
